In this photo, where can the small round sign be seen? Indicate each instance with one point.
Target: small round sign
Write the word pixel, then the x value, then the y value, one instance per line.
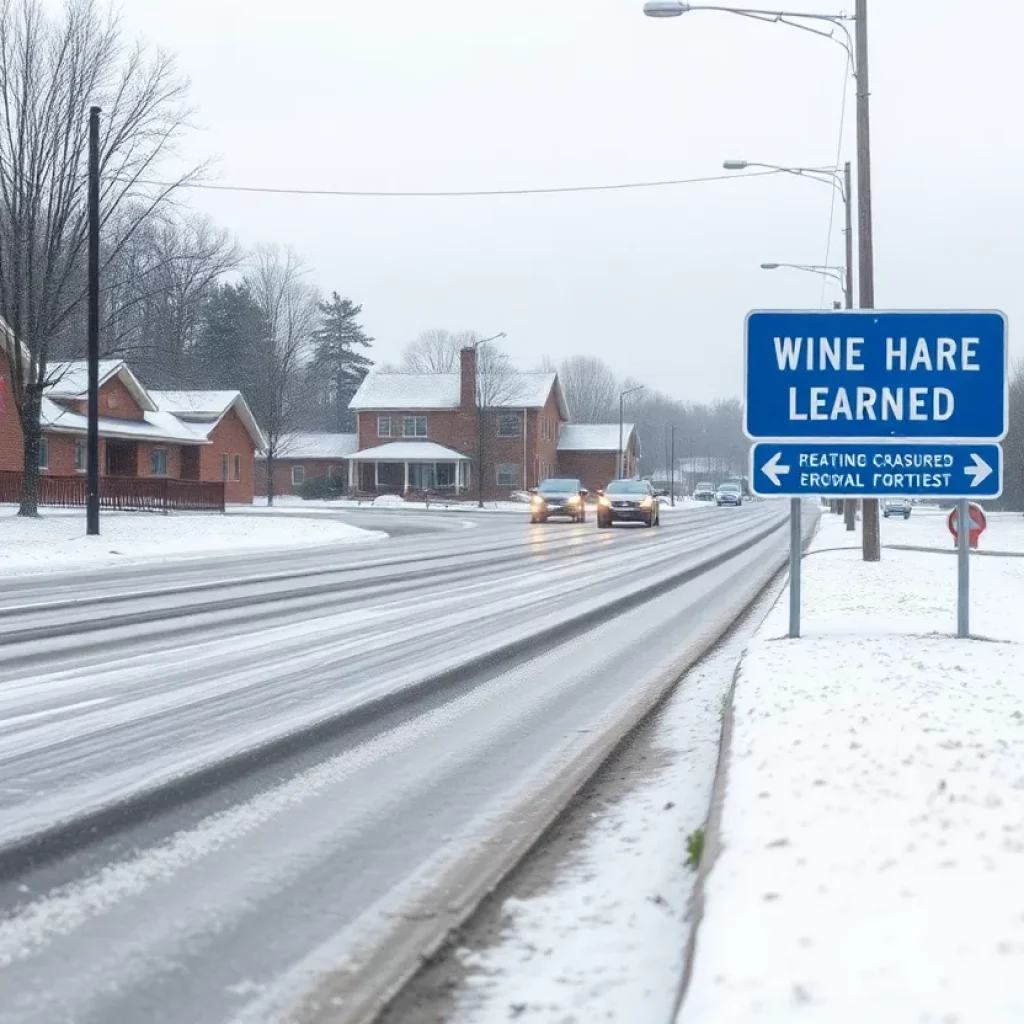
pixel 977 523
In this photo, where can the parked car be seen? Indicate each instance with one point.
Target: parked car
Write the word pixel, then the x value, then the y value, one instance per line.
pixel 628 501
pixel 704 492
pixel 559 496
pixel 729 494
pixel 896 507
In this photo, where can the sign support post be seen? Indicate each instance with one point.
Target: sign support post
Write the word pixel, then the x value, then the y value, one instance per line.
pixel 794 567
pixel 963 569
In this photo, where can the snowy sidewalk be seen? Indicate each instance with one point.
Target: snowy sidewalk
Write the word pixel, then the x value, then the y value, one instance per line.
pixel 870 847
pixel 57 540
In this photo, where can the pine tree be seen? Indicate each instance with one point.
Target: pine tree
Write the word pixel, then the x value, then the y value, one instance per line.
pixel 337 363
pixel 232 328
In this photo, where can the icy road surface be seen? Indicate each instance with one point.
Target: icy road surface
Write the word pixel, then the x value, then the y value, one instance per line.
pixel 253 899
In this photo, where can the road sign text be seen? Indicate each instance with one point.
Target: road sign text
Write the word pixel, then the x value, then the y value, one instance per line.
pixel 868 374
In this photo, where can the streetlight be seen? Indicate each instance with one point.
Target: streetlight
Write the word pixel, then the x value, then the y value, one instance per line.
pixel 480 420
pixel 836 273
pixel 826 26
pixel 829 176
pixel 622 458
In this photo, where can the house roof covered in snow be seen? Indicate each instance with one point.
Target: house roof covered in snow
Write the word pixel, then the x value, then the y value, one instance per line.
pixel 593 437
pixel 71 380
pixel 409 451
pixel 203 410
pixel 311 445
pixel 398 392
pixel 154 426
pixel 200 404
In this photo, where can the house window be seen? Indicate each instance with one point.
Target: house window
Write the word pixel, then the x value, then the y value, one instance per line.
pixel 414 426
pixel 508 424
pixel 158 462
pixel 44 453
pixel 238 467
pixel 507 474
pixel 224 466
pixel 81 456
pixel 383 426
pixel 298 476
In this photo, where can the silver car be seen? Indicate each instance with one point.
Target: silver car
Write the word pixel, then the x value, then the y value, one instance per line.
pixel 896 507
pixel 729 494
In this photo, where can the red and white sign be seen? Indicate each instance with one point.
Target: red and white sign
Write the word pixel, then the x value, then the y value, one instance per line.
pixel 977 524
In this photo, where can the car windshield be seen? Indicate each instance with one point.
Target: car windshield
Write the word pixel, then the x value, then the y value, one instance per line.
pixel 560 486
pixel 729 487
pixel 705 487
pixel 627 487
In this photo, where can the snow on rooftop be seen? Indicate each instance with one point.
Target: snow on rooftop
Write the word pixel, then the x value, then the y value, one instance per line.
pixel 71 379
pixel 409 451
pixel 593 437
pixel 194 403
pixel 155 426
pixel 407 391
pixel 312 445
pixel 400 391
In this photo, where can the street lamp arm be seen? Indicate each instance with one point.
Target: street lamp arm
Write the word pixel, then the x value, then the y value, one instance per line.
pixel 837 273
pixel 826 175
pixel 794 19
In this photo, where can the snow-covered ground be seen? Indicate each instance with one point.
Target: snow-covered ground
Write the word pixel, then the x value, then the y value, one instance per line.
pixel 57 539
pixel 872 832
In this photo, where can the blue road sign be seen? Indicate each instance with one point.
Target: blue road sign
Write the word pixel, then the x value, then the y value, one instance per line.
pixel 880 469
pixel 868 374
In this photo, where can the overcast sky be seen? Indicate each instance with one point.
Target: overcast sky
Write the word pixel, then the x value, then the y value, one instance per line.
pixel 473 94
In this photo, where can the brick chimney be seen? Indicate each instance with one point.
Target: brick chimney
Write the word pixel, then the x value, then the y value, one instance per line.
pixel 467 377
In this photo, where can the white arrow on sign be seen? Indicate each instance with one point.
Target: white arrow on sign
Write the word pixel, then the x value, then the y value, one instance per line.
pixel 981 470
pixel 773 470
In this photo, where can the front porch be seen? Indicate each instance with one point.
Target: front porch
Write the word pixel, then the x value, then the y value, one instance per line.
pixel 404 467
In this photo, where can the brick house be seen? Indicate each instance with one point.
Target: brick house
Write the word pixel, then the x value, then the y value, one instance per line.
pixel 143 435
pixel 304 456
pixel 590 452
pixel 418 431
pixel 232 434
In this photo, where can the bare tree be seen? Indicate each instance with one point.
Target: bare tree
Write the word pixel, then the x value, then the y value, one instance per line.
pixel 500 390
pixel 290 309
pixel 436 351
pixel 591 389
pixel 152 300
pixel 51 70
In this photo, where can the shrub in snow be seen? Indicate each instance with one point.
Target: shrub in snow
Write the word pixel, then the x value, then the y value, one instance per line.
pixel 694 848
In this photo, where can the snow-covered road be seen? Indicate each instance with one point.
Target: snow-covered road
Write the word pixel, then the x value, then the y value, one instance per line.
pixel 280 762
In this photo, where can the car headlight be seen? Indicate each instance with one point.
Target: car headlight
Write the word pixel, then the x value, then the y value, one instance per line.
pixel 538 500
pixel 574 500
pixel 605 502
pixel 647 503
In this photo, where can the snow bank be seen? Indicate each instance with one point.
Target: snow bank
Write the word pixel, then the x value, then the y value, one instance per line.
pixel 57 539
pixel 872 833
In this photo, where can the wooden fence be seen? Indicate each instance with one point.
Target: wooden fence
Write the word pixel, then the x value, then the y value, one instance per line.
pixel 122 493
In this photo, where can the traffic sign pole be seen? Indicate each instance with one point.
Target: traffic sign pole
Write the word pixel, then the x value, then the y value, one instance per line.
pixel 963 573
pixel 794 568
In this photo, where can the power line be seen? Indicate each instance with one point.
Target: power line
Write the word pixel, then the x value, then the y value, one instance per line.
pixel 839 152
pixel 359 194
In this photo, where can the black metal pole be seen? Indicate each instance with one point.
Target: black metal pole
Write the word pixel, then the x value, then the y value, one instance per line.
pixel 92 464
pixel 672 470
pixel 870 536
pixel 621 471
